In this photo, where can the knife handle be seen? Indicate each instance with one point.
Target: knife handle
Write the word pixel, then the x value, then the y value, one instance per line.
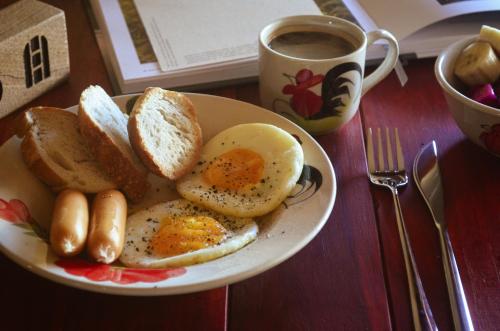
pixel 459 308
pixel 421 311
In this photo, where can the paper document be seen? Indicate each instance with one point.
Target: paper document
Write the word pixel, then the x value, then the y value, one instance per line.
pixel 200 32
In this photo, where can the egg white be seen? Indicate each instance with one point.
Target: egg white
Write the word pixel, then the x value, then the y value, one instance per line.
pixel 142 226
pixel 283 162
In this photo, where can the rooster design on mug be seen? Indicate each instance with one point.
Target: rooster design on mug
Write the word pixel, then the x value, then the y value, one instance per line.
pixel 335 91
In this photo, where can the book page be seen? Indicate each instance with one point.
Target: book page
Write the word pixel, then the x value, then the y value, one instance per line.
pixel 404 17
pixel 192 33
pixel 430 40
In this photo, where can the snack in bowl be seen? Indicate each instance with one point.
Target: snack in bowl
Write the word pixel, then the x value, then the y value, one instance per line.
pixel 164 132
pixel 104 126
pixel 474 108
pixel 245 171
pixel 478 67
pixel 478 64
pixel 179 232
pixel 55 151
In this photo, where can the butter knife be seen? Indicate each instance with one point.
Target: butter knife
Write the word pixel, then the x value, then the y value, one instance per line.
pixel 428 179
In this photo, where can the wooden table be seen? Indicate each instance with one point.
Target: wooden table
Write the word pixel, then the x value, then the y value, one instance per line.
pixel 351 276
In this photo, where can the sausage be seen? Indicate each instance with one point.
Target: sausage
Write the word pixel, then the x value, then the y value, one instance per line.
pixel 107 226
pixel 70 220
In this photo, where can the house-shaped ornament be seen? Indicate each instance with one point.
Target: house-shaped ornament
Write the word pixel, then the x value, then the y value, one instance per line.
pixel 33 52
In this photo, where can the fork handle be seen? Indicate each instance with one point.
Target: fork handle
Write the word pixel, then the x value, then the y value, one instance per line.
pixel 421 311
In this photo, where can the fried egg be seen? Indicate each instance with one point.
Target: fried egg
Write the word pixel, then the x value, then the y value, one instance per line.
pixel 245 171
pixel 180 233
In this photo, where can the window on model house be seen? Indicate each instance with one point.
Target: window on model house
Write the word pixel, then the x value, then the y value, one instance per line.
pixel 36 61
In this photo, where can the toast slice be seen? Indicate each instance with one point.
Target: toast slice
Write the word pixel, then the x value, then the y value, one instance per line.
pixel 104 126
pixel 164 132
pixel 57 154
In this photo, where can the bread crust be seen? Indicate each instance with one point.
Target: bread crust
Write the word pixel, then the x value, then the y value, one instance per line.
pixel 186 107
pixel 130 179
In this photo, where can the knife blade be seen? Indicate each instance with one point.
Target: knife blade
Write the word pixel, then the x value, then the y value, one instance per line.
pixel 428 180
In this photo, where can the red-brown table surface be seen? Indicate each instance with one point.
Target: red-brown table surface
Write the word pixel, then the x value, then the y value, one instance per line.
pixel 351 276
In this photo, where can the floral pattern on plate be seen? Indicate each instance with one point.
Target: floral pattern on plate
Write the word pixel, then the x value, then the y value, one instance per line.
pixel 14 211
pixel 99 272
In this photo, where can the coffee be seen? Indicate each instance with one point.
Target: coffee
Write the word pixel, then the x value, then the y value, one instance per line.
pixel 312 45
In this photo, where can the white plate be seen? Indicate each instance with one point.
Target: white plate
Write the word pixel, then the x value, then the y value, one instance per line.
pixel 282 234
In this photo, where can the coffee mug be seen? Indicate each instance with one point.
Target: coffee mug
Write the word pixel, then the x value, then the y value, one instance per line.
pixel 311 69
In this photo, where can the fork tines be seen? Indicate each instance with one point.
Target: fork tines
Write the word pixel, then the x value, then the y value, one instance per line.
pixel 381 156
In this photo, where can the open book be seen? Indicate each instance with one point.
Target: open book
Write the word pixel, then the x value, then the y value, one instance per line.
pixel 192 44
pixel 424 27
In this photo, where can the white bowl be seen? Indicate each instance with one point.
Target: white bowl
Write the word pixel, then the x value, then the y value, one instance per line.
pixel 477 121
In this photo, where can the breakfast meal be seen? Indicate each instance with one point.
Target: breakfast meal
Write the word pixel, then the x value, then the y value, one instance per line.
pixel 89 159
pixel 55 151
pixel 478 67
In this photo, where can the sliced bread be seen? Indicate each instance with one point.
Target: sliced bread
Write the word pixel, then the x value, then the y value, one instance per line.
pixel 57 154
pixel 104 126
pixel 164 132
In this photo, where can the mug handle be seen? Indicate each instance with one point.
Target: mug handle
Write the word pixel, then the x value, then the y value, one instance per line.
pixel 389 62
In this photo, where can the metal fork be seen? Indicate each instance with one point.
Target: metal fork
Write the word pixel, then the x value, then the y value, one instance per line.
pixel 392 177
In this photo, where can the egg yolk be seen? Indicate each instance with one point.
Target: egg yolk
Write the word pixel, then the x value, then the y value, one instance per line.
pixel 178 235
pixel 235 169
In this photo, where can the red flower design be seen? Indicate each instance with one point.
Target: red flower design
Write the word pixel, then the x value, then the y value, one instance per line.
pixel 14 211
pixel 491 138
pixel 102 272
pixel 304 102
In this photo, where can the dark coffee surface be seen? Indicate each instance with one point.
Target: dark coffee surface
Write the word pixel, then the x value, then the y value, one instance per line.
pixel 311 45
